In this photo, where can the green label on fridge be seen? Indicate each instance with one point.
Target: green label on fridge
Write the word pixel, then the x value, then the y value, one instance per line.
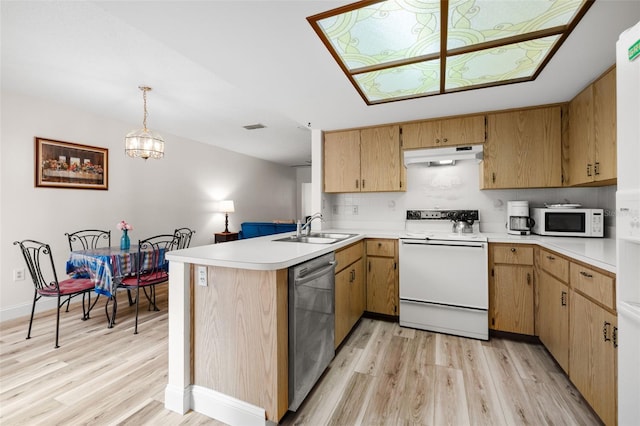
pixel 634 50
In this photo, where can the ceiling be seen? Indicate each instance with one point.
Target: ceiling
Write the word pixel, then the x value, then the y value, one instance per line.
pixel 216 66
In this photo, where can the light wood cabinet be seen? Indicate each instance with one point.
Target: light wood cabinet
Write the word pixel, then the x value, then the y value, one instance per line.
pixel 593 357
pixel 350 298
pixel 523 149
pixel 382 276
pixel 366 160
pixel 591 149
pixel 511 288
pixel 448 132
pixel 553 317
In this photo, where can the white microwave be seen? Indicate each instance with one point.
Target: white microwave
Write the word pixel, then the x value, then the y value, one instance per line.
pixel 568 222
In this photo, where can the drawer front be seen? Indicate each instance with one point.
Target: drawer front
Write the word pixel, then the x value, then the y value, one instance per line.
pixel 593 284
pixel 555 265
pixel 385 248
pixel 348 255
pixel 514 254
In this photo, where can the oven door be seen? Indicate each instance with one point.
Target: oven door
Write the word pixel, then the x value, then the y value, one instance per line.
pixel 444 272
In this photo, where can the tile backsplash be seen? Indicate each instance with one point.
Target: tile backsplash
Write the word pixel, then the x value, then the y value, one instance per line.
pixel 452 187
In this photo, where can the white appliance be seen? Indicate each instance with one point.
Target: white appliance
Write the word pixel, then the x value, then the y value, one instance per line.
pixel 518 220
pixel 444 283
pixel 628 225
pixel 568 222
pixel 440 156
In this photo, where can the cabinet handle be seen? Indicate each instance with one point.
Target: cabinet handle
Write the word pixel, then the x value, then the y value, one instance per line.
pixel 605 329
pixel 493 177
pixel 362 183
pixel 369 266
pixel 437 140
pixel 357 183
pixel 563 298
pixel 528 278
pixel 444 140
pixel 588 169
pixel 551 258
pixel 513 249
pixel 596 168
pixel 586 274
pixel 379 244
pixel 615 337
pixel 354 275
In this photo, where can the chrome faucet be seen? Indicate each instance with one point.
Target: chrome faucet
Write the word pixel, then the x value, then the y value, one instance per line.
pixel 300 228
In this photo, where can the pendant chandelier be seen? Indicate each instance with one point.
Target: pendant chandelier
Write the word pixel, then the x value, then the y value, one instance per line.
pixel 144 143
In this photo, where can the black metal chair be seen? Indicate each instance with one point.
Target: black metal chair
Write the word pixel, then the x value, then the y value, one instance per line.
pixel 184 235
pixel 88 239
pixel 39 260
pixel 152 269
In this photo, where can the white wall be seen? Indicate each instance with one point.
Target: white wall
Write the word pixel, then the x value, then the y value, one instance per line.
pixel 156 196
pixel 454 187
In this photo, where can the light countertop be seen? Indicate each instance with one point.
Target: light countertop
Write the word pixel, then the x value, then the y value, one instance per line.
pixel 263 253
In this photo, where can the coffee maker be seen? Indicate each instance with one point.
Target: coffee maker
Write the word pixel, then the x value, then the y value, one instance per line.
pixel 518 220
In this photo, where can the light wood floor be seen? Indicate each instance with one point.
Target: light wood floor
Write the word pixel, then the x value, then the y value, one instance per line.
pixel 383 374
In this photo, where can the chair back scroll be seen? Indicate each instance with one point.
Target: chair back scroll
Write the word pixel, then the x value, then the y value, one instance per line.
pixel 184 235
pixel 152 263
pixel 88 239
pixel 39 260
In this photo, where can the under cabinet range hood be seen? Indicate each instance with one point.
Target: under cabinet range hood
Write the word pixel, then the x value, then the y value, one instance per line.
pixel 442 156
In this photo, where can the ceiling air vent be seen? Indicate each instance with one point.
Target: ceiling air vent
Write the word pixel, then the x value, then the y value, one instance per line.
pixel 254 126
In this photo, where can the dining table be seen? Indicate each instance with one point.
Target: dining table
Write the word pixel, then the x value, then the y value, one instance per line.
pixel 108 266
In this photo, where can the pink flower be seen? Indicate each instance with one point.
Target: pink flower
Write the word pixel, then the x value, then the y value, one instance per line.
pixel 122 225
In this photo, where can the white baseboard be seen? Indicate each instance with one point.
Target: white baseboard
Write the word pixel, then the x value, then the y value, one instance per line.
pixel 24 310
pixel 214 404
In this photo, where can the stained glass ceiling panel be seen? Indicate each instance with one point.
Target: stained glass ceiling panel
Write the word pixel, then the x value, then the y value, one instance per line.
pixel 391 49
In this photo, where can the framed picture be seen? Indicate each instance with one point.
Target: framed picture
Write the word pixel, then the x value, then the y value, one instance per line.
pixel 70 165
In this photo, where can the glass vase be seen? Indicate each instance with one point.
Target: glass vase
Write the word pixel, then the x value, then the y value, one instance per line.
pixel 125 243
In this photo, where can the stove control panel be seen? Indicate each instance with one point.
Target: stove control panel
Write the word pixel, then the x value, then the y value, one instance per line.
pixel 442 215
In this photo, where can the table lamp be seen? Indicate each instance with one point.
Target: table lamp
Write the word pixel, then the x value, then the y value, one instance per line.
pixel 226 206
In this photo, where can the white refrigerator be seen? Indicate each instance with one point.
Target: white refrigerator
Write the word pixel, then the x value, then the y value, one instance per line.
pixel 628 225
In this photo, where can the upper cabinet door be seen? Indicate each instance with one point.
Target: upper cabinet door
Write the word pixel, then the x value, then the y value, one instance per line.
pixel 604 121
pixel 523 149
pixel 449 132
pixel 581 138
pixel 380 159
pixel 342 161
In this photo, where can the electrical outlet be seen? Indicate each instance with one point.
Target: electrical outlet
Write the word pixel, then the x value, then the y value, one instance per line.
pixel 18 274
pixel 202 276
pixel 354 210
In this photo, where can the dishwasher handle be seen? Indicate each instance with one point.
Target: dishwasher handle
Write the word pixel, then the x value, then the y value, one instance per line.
pixel 443 243
pixel 308 276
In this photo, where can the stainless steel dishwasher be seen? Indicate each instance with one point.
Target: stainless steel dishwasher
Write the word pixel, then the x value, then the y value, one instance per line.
pixel 311 324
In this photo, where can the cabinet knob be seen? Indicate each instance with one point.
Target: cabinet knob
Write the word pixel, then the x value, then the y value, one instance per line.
pixel 444 140
pixel 437 140
pixel 513 249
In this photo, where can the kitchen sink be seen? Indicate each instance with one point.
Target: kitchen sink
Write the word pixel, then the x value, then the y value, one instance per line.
pixel 316 238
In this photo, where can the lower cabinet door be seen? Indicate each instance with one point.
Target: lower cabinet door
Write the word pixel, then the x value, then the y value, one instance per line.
pixel 592 356
pixel 382 290
pixel 512 304
pixel 553 314
pixel 342 314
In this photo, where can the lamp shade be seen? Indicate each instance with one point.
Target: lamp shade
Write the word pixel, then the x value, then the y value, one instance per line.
pixel 226 206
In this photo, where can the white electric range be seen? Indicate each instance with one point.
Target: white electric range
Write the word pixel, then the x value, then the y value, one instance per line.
pixel 444 274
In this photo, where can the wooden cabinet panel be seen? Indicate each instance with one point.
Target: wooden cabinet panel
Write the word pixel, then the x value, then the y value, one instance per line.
pixel 448 132
pixel 515 254
pixel 554 264
pixel 581 138
pixel 366 160
pixel 592 355
pixel 512 307
pixel 342 161
pixel 591 151
pixel 523 149
pixel 605 129
pixel 381 285
pixel 350 298
pixel 380 159
pixel 377 247
pixel 598 286
pixel 553 317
